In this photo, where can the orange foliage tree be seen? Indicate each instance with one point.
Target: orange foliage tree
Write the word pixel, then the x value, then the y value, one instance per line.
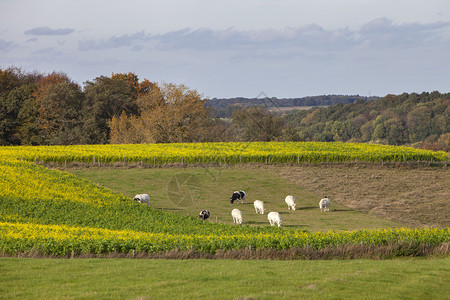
pixel 168 113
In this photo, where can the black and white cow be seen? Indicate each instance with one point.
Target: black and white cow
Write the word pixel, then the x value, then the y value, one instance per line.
pixel 238 195
pixel 204 214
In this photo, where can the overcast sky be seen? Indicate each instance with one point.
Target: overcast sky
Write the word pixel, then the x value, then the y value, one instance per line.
pixel 237 48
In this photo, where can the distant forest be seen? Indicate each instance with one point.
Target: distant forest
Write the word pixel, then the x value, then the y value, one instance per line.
pixel 224 107
pixel 50 109
pixel 421 120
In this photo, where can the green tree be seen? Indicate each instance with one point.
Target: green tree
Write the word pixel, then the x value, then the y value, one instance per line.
pixel 10 107
pixel 257 124
pixel 8 81
pixel 327 133
pixel 29 130
pixel 366 131
pixel 419 123
pixel 379 133
pixel 394 132
pixel 105 98
pixel 60 114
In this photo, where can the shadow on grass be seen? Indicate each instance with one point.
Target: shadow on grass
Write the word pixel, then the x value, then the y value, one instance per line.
pixel 308 207
pixel 256 223
pixel 296 226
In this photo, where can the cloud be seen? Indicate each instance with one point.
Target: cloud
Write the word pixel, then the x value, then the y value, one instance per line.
pixel 383 33
pixel 49 54
pixel 135 41
pixel 48 31
pixel 205 39
pixel 380 56
pixel 380 33
pixel 5 45
pixel 32 40
pixel 385 25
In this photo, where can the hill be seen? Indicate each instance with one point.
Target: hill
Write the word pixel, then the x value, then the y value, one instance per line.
pixel 363 196
pixel 46 212
pixel 223 107
pixel 422 120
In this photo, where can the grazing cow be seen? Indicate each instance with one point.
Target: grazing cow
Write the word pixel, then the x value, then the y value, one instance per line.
pixel 142 198
pixel 259 206
pixel 238 195
pixel 290 201
pixel 237 216
pixel 204 214
pixel 274 218
pixel 324 204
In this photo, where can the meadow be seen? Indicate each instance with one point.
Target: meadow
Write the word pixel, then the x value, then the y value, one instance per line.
pixel 211 187
pixel 118 278
pixel 54 213
pixel 88 211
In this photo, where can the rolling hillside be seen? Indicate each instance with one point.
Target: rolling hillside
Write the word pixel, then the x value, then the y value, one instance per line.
pixel 54 213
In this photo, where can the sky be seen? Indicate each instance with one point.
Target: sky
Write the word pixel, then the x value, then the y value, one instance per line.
pixel 237 48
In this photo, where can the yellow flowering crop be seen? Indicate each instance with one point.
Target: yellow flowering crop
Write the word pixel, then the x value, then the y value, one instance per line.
pixel 57 213
pixel 281 152
pixel 63 240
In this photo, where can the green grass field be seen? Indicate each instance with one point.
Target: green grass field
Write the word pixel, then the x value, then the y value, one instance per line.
pixel 186 191
pixel 211 188
pixel 223 279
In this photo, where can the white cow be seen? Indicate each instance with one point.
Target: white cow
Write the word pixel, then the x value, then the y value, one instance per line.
pixel 274 218
pixel 290 201
pixel 259 206
pixel 237 216
pixel 324 204
pixel 142 198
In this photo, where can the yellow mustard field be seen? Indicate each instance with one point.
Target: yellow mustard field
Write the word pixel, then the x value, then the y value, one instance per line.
pixel 263 152
pixel 64 240
pixel 56 213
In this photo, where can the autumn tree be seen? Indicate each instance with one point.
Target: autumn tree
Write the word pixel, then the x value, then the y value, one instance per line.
pixel 168 113
pixel 47 81
pixel 126 130
pixel 52 114
pixel 140 88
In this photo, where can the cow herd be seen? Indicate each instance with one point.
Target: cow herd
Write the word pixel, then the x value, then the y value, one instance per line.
pixel 273 217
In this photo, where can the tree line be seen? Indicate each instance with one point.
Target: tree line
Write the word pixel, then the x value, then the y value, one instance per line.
pixel 224 107
pixel 421 120
pixel 50 109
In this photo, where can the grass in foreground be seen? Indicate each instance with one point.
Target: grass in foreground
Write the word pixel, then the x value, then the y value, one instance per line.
pixel 224 279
